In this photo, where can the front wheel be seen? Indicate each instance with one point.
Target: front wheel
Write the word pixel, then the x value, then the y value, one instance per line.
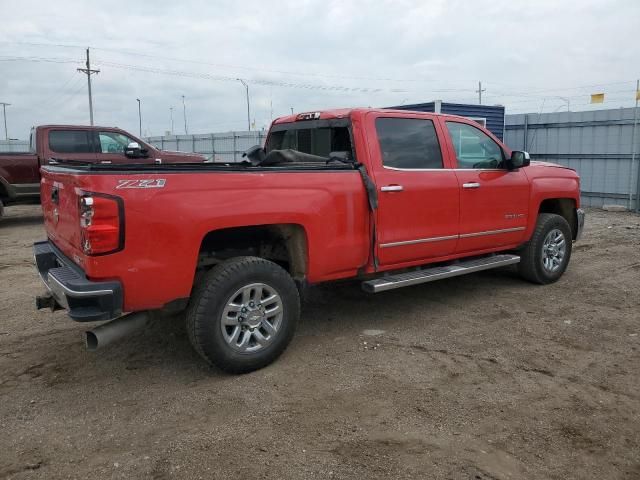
pixel 546 255
pixel 243 314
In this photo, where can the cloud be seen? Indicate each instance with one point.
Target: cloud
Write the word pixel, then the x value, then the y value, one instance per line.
pixel 306 55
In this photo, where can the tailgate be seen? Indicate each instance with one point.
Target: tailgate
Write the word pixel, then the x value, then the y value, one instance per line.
pixel 59 192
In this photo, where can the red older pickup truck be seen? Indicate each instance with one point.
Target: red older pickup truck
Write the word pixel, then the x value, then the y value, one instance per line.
pixel 390 198
pixel 20 172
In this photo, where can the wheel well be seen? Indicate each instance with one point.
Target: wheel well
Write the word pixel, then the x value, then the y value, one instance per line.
pixel 4 192
pixel 284 244
pixel 565 207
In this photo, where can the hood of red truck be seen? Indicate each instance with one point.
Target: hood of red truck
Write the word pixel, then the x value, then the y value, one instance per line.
pixel 540 163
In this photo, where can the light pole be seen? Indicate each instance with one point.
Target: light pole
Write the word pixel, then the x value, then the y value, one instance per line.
pixel 4 113
pixel 184 113
pixel 248 111
pixel 139 116
pixel 171 115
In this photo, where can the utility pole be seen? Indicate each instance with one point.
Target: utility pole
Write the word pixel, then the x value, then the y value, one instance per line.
pixel 139 116
pixel 479 92
pixel 171 115
pixel 4 112
pixel 88 72
pixel 184 112
pixel 248 114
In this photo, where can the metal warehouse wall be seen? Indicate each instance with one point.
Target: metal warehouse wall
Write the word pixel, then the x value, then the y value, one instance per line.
pixel 494 114
pixel 221 147
pixel 597 144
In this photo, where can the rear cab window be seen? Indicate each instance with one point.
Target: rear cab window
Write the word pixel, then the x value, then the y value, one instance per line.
pixel 317 137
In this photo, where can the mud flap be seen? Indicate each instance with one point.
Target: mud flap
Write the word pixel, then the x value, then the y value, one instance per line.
pixel 372 197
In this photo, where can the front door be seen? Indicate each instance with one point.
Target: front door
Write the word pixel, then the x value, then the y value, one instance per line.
pixel 417 216
pixel 493 200
pixel 111 147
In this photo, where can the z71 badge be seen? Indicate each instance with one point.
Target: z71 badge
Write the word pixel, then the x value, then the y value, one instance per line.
pixel 151 183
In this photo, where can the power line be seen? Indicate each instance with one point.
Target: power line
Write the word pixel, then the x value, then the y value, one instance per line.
pixel 63 92
pixel 311 74
pixel 64 100
pixel 14 58
pixel 188 74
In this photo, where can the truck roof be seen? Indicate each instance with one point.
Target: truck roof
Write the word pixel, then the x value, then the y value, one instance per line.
pixel 347 112
pixel 83 127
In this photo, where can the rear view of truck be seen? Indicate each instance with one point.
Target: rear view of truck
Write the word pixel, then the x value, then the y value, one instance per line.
pixel 234 242
pixel 81 225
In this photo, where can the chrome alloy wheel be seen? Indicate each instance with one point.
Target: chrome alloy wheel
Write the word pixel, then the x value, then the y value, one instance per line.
pixel 252 317
pixel 554 249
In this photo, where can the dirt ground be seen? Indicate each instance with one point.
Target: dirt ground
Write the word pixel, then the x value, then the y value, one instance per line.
pixel 481 377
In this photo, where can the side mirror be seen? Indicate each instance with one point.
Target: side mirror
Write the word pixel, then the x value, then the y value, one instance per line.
pixel 133 150
pixel 518 159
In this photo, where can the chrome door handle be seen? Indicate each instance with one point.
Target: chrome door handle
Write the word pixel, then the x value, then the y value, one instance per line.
pixel 471 185
pixel 392 188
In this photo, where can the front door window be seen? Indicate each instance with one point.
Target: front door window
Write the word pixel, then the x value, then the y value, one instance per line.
pixel 474 148
pixel 113 142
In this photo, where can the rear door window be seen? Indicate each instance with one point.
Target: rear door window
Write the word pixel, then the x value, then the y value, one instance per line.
pixel 408 143
pixel 70 141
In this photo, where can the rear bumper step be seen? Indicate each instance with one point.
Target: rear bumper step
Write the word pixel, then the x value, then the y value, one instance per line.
pixel 69 288
pixel 406 279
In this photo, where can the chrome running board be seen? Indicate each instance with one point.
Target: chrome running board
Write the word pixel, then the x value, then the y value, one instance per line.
pixel 389 282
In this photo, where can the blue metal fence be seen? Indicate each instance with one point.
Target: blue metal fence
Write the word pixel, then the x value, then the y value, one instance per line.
pixel 597 144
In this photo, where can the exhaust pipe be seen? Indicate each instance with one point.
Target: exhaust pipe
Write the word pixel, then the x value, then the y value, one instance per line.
pixel 114 330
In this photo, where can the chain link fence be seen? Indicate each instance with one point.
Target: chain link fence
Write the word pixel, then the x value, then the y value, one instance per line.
pixel 15 146
pixel 219 147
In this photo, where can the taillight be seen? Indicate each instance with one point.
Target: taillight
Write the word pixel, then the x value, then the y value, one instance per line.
pixel 101 224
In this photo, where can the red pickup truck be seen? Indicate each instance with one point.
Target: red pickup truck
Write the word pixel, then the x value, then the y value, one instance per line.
pixel 390 198
pixel 20 172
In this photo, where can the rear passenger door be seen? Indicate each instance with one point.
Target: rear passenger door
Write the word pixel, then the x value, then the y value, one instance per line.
pixel 75 145
pixel 417 217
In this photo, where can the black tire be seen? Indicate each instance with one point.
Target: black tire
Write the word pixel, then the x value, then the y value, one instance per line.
pixel 209 299
pixel 531 266
pixel 1 209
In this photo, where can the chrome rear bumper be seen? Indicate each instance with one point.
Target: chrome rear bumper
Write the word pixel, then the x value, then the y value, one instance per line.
pixel 85 300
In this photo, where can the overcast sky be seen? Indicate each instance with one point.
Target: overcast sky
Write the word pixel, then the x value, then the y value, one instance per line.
pixel 307 55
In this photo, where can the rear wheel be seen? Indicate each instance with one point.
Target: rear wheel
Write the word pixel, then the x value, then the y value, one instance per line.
pixel 1 209
pixel 546 256
pixel 243 314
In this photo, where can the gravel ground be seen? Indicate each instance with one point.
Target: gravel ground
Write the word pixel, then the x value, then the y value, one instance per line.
pixel 480 377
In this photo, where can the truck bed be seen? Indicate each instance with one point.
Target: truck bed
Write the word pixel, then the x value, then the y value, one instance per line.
pixel 169 209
